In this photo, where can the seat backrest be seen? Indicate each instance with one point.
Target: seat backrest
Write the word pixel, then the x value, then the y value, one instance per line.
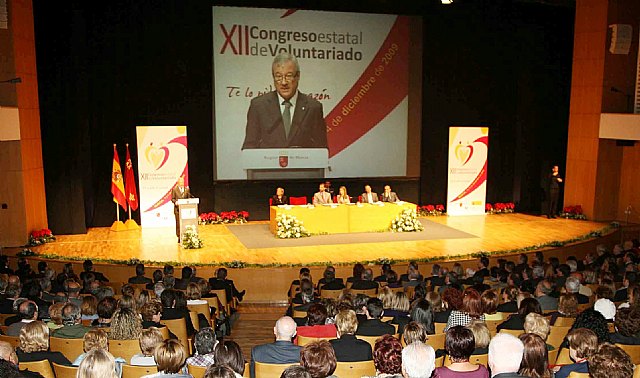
pixel 492 325
pixel 222 297
pixel 439 327
pixel 557 335
pixel 563 358
pixel 132 371
pixel 367 292
pixel 304 340
pixel 480 359
pixel 71 348
pixel 179 328
pixel 247 373
pixel 43 367
pixel 264 370
pixel 201 309
pixel 64 371
pixel 439 361
pixel 298 200
pixel 436 341
pixel 299 314
pixel 514 332
pixel 13 340
pixel 636 371
pixel 564 321
pixel 335 294
pixel 197 371
pixel 575 374
pixel 194 320
pixel 633 351
pixel 553 356
pixel 215 303
pixel 124 348
pixel 355 369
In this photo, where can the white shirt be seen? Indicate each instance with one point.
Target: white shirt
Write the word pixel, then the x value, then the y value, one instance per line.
pixel 370 197
pixel 292 100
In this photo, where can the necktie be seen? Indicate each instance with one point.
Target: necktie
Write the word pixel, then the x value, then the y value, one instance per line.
pixel 286 117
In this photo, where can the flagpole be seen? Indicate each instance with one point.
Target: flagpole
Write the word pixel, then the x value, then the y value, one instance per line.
pixel 117 213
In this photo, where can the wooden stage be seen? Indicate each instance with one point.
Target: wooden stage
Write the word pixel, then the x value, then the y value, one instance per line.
pixel 496 232
pixel 268 280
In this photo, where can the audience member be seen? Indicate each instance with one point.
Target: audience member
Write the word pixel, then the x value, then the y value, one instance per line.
pixel 535 360
pixel 139 278
pixel 170 358
pixel 219 372
pixel 319 359
pixel 414 332
pixel 347 347
pixel 295 371
pixel 627 324
pixel 365 282
pixel 221 282
pixel 87 265
pixel 423 314
pixel 126 325
pixel 505 355
pixel 481 336
pixel 72 328
pixel 418 361
pixel 460 344
pixel 9 363
pixel 538 325
pixel 97 363
pixel 374 326
pixel 282 351
pixel 150 339
pixel 610 361
pixel 516 321
pixel 582 345
pixel 205 343
pixel 106 307
pixel 490 301
pixel 387 357
pixel 543 295
pixel 171 310
pixel 34 345
pixel 27 312
pixel 471 309
pixel 228 353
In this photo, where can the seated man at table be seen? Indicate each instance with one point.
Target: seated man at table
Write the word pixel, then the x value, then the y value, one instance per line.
pixel 368 196
pixel 279 198
pixel 388 195
pixel 321 197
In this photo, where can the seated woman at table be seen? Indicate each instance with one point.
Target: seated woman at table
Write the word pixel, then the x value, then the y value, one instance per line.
pixel 343 197
pixel 279 198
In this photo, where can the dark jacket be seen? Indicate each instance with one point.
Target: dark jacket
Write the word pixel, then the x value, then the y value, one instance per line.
pixel 350 349
pixel 278 352
pixel 515 321
pixel 56 357
pixel 375 327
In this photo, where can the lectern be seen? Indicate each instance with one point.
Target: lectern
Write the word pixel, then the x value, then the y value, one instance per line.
pixel 188 214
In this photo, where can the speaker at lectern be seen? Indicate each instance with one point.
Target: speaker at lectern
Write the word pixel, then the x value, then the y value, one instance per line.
pixel 188 214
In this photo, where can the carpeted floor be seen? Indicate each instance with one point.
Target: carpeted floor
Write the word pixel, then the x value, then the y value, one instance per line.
pixel 255 236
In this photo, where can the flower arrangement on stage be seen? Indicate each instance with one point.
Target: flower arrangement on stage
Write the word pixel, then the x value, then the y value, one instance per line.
pixel 407 221
pixel 289 227
pixel 224 217
pixel 573 212
pixel 39 237
pixel 430 210
pixel 499 208
pixel 190 239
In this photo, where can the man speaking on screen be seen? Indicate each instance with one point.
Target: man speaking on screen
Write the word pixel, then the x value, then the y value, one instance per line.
pixel 285 118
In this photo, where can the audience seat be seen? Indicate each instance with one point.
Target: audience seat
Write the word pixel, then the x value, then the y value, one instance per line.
pixel 436 341
pixel 264 370
pixel 334 294
pixel 557 335
pixel 65 371
pixel 355 369
pixel 514 332
pixel 222 297
pixel 215 303
pixel 304 340
pixel 124 348
pixel 492 325
pixel 130 371
pixel 298 200
pixel 299 314
pixel 633 351
pixel 439 327
pixel 552 356
pixel 179 328
pixel 196 371
pixel 439 361
pixel 563 358
pixel 636 372
pixel 202 309
pixel 4 317
pixel 574 374
pixel 194 320
pixel 247 372
pixel 43 367
pixel 71 348
pixel 564 321
pixel 13 340
pixel 368 292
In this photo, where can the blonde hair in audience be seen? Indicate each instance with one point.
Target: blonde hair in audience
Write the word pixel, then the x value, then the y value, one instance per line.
pixel 414 332
pixel 126 325
pixel 55 312
pixel 34 337
pixel 537 324
pixel 127 301
pixel 89 305
pixel 193 291
pixel 170 356
pixel 480 333
pixel 401 302
pixel 386 296
pixel 435 300
pixel 347 322
pixel 95 339
pixel 97 363
pixel 142 298
pixel 149 341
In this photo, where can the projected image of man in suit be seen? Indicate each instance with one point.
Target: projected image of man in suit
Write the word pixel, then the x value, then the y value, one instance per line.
pixel 285 118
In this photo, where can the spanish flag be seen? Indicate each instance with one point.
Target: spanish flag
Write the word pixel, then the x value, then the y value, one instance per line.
pixel 117 185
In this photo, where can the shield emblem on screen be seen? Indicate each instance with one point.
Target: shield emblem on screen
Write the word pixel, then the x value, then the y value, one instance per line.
pixel 284 161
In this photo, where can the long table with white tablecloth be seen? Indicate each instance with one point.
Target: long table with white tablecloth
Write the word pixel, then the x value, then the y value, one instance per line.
pixel 342 219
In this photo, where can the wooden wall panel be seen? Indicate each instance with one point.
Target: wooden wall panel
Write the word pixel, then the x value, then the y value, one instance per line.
pixel 630 184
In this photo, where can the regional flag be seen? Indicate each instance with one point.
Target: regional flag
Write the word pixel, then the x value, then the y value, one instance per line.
pixel 130 183
pixel 117 186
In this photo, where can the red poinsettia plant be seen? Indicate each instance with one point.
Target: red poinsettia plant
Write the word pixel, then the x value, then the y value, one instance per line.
pixel 573 212
pixel 42 236
pixel 224 217
pixel 430 210
pixel 499 208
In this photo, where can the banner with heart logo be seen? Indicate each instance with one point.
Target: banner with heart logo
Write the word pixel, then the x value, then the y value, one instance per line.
pixel 162 159
pixel 467 182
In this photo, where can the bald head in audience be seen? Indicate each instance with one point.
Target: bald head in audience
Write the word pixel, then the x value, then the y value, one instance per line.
pixel 285 328
pixel 505 354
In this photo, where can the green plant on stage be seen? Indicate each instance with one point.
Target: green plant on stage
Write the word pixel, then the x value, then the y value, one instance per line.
pixel 190 239
pixel 289 227
pixel 407 221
